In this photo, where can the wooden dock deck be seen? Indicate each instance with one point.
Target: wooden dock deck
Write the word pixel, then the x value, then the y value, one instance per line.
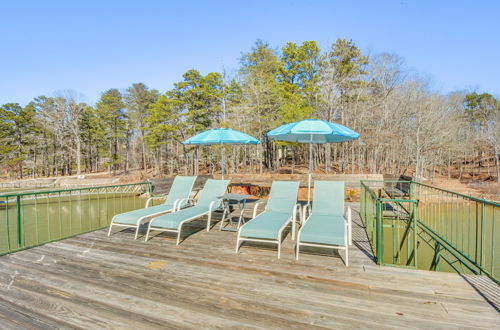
pixel 92 281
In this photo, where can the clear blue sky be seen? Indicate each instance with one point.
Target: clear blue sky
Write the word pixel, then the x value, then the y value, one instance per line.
pixel 91 46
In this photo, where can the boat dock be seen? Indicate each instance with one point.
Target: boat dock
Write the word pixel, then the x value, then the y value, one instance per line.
pixel 94 281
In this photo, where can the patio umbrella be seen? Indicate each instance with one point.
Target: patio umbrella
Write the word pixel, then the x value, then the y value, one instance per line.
pixel 312 131
pixel 221 136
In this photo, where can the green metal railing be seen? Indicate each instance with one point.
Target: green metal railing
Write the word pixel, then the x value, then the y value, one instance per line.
pixel 417 225
pixel 35 218
pixel 390 222
pixel 461 226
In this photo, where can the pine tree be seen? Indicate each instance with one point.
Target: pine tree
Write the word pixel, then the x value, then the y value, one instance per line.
pixel 112 117
pixel 138 100
pixel 297 77
pixel 16 129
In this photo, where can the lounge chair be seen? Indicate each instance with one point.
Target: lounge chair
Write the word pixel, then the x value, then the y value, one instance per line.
pixel 327 226
pixel 179 191
pixel 281 209
pixel 205 205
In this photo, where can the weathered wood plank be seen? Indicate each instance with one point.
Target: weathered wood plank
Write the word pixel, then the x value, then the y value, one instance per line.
pixel 186 301
pixel 199 274
pixel 13 316
pixel 95 281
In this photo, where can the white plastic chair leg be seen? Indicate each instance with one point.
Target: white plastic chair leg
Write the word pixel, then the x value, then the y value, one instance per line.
pixel 209 220
pixel 178 237
pixel 109 231
pixel 346 256
pixel 223 217
pixel 237 245
pixel 349 220
pixel 147 231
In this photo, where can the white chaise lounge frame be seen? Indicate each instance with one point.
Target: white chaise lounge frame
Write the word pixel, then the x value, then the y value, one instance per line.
pixel 178 231
pixel 278 242
pixel 347 236
pixel 142 219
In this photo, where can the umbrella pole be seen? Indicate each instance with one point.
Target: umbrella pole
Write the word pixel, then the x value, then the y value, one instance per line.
pixel 310 175
pixel 222 159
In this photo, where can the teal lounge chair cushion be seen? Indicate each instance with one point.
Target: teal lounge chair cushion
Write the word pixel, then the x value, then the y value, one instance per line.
pixel 279 210
pixel 266 225
pixel 323 229
pixel 132 217
pixel 211 191
pixel 328 198
pixel 283 196
pixel 172 220
pixel 209 194
pixel 326 223
pixel 180 189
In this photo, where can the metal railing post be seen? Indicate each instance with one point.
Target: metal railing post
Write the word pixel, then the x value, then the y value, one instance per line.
pixel 19 221
pixel 364 203
pixel 437 266
pixel 483 223
pixel 379 228
pixel 415 243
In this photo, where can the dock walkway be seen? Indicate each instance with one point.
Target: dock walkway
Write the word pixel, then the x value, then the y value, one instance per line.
pixel 92 281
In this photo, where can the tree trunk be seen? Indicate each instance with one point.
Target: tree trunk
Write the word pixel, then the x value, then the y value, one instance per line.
pixel 143 150
pixel 497 161
pixel 78 157
pixel 127 152
pixel 261 160
pixel 328 156
pixel 186 160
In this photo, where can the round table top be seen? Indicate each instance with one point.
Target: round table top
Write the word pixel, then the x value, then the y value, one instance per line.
pixel 234 197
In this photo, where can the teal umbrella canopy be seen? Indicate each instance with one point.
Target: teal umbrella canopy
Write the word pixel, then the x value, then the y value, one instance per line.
pixel 313 131
pixel 221 136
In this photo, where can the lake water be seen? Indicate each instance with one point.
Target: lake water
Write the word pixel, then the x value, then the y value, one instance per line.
pixel 460 224
pixel 52 216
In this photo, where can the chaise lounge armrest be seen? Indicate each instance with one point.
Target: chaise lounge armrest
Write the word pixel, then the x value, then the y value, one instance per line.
pixel 348 220
pixel 306 213
pixel 296 208
pixel 179 202
pixel 150 199
pixel 255 208
pixel 211 207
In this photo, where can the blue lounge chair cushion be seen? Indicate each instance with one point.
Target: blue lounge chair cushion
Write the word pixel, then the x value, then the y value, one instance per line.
pixel 266 225
pixel 323 229
pixel 132 217
pixel 172 220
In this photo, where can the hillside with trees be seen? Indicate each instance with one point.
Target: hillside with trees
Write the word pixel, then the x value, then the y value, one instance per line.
pixel 405 126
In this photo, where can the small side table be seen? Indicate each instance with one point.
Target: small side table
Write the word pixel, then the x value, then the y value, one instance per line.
pixel 226 215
